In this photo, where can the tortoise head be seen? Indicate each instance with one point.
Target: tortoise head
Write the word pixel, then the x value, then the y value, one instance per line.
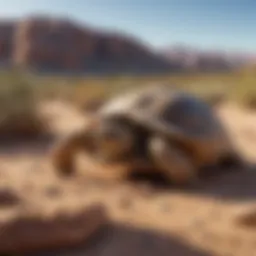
pixel 114 140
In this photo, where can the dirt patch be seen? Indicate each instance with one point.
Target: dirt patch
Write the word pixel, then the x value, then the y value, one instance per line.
pixel 146 219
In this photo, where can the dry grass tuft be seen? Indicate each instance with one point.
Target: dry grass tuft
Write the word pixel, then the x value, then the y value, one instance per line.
pixel 19 109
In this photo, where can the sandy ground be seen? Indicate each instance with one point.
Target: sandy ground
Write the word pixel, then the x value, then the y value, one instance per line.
pixel 148 220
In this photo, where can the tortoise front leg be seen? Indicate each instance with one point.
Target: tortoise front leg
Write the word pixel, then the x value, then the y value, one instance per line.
pixel 64 152
pixel 171 161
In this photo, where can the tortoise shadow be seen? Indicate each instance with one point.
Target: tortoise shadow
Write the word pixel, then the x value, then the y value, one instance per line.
pixel 234 184
pixel 118 239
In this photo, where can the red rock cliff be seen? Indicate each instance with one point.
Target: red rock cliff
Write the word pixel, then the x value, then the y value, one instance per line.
pixel 52 44
pixel 6 41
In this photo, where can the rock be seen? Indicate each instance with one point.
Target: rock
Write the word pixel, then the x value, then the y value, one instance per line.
pixel 6 41
pixel 55 44
pixel 247 218
pixel 48 44
pixel 8 198
pixel 51 44
pixel 27 233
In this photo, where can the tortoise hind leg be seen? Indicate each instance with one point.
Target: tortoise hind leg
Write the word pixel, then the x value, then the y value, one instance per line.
pixel 174 163
pixel 233 160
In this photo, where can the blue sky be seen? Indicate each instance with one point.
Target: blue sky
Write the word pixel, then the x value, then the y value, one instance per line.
pixel 226 24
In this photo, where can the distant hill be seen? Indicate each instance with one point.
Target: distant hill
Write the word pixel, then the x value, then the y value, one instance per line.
pixel 194 59
pixel 51 44
pixel 54 44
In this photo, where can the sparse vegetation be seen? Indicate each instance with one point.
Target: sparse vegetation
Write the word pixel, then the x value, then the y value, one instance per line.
pixel 19 115
pixel 239 86
pixel 20 93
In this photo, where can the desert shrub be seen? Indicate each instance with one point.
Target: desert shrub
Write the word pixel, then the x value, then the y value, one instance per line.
pixel 19 114
pixel 244 89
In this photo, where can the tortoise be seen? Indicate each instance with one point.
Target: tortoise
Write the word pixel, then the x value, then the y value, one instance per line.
pixel 174 131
